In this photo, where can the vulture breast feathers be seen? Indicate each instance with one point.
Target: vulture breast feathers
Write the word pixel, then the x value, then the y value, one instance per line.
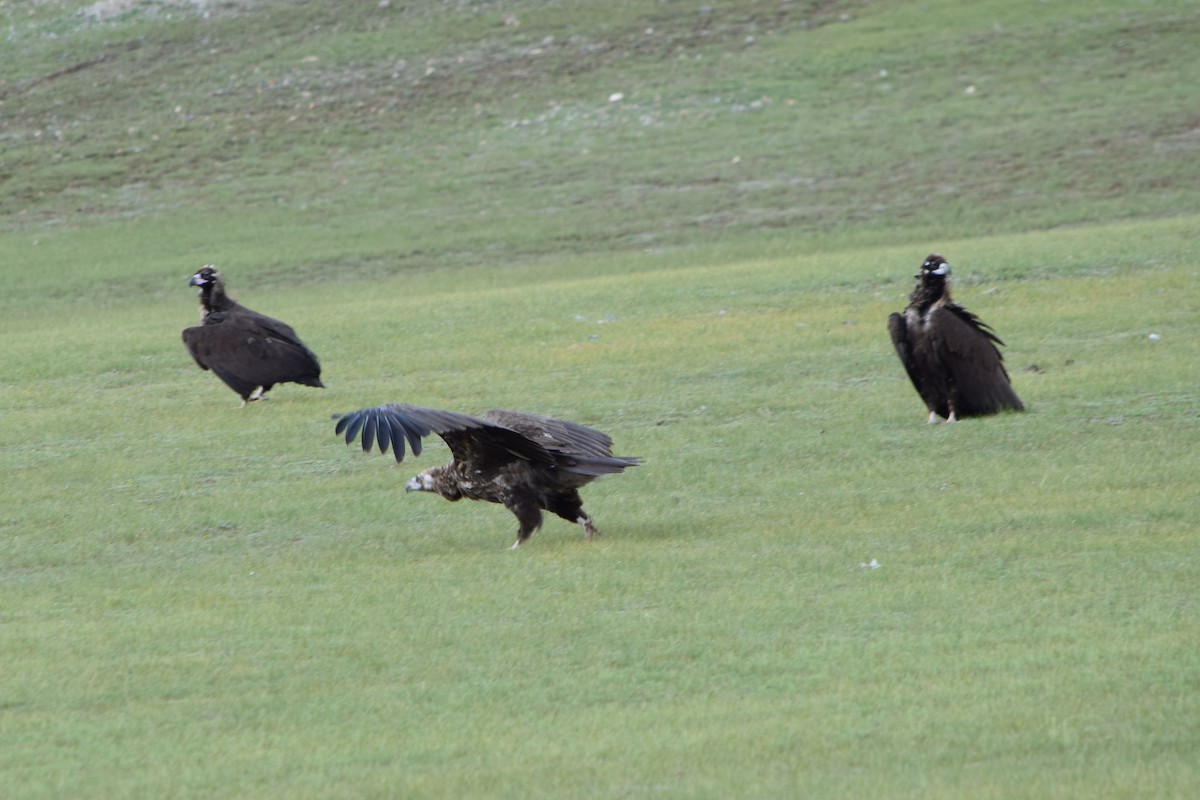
pixel 527 463
pixel 250 352
pixel 951 357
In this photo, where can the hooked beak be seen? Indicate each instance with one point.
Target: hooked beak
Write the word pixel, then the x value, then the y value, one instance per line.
pixel 196 280
pixel 414 485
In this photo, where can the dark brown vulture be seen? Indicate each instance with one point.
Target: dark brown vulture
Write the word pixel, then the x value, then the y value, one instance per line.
pixel 525 462
pixel 950 356
pixel 251 352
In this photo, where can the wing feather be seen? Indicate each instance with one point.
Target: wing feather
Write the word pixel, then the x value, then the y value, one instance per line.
pixel 383 430
pixel 351 424
pixel 368 434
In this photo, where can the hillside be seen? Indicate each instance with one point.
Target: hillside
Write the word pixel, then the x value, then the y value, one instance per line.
pixel 403 135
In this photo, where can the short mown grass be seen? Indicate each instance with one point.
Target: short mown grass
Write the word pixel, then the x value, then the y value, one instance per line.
pixel 804 591
pixel 207 600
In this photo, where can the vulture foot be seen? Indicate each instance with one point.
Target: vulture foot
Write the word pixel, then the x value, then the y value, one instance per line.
pixel 257 394
pixel 589 530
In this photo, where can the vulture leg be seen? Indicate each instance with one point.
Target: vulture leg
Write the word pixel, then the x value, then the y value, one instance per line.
pixel 528 515
pixel 569 506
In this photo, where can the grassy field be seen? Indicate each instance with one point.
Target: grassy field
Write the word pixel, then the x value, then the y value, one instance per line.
pixel 681 223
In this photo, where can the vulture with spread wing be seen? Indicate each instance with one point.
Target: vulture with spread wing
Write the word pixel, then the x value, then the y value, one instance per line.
pixel 951 356
pixel 526 462
pixel 250 352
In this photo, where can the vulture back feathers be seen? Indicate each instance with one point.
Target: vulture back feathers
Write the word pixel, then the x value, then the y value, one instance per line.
pixel 527 463
pixel 951 357
pixel 250 352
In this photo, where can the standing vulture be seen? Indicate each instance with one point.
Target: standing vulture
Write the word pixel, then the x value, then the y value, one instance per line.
pixel 524 461
pixel 948 353
pixel 251 352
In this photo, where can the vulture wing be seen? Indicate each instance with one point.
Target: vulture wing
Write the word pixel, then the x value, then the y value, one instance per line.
pixel 275 328
pixel 553 434
pixel 967 349
pixel 898 327
pixel 575 448
pixel 484 444
pixel 248 350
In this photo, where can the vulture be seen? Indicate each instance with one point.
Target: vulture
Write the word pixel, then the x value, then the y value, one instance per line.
pixel 251 352
pixel 951 356
pixel 526 462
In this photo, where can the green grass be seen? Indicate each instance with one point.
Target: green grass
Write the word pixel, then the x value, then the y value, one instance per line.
pixel 198 600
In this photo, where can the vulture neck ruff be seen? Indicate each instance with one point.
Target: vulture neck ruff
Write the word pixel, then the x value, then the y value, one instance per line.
pixel 213 298
pixel 932 292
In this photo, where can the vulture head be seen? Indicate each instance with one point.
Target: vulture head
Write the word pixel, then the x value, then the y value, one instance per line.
pixel 420 483
pixel 932 281
pixel 208 280
pixel 935 267
pixel 212 290
pixel 207 276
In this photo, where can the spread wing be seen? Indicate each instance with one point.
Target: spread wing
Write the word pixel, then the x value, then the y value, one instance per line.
pixel 247 350
pixel 481 444
pixel 473 441
pixel 967 350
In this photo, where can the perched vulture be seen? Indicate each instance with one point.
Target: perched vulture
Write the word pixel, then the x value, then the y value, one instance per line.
pixel 524 461
pixel 948 353
pixel 251 352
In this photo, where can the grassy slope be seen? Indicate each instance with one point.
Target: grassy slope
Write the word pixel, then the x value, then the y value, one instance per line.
pixel 258 612
pixel 372 141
